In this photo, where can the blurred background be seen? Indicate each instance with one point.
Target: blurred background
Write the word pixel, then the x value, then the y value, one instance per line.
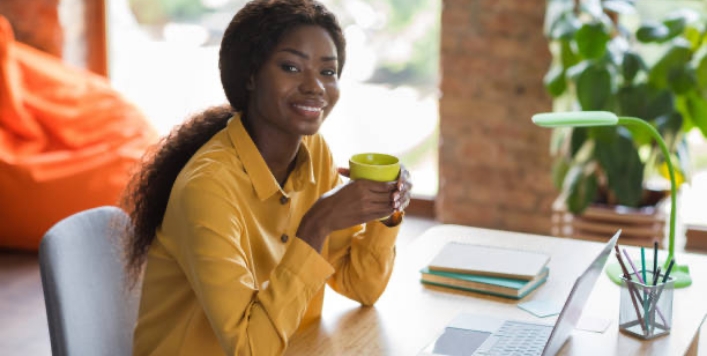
pixel 163 55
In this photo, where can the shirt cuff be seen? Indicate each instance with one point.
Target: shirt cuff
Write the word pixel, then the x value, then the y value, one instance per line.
pixel 379 237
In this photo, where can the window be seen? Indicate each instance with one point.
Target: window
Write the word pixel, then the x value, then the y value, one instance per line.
pixel 163 56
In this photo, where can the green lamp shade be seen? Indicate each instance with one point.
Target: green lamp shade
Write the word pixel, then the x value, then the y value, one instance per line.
pixel 576 119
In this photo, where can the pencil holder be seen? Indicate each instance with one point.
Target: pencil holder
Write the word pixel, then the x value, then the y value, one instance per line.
pixel 646 310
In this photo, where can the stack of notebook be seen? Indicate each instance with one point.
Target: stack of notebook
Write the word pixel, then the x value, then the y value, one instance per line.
pixel 490 270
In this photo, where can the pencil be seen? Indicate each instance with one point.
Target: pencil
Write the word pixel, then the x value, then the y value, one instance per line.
pixel 655 256
pixel 635 270
pixel 631 291
pixel 642 280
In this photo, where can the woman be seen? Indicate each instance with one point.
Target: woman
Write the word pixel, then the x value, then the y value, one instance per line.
pixel 240 216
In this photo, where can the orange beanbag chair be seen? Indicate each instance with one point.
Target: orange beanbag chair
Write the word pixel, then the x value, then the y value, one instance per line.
pixel 68 141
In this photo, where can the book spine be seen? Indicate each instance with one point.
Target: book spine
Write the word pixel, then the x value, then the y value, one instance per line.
pixel 512 296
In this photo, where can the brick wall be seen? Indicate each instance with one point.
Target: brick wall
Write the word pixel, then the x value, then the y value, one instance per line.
pixel 35 22
pixel 494 163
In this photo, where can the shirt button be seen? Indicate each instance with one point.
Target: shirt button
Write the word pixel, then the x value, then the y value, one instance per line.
pixel 284 238
pixel 284 200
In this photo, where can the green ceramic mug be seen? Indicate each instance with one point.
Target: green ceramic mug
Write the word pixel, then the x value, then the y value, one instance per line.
pixel 379 167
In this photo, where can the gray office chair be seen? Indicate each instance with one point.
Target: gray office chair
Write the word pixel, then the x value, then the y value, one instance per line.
pixel 89 310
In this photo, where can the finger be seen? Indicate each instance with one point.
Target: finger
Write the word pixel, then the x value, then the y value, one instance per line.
pixel 404 179
pixel 378 187
pixel 376 211
pixel 401 175
pixel 405 202
pixel 344 172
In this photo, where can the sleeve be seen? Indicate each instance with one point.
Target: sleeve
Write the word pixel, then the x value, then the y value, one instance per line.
pixel 246 320
pixel 362 257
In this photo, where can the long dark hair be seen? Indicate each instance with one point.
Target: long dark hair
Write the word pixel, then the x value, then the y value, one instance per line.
pixel 247 43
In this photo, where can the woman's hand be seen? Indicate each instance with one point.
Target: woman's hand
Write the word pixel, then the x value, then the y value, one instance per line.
pixel 356 202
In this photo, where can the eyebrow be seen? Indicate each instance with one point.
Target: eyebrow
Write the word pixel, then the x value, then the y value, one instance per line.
pixel 305 56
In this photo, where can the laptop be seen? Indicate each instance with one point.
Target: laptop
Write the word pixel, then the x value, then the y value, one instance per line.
pixel 470 334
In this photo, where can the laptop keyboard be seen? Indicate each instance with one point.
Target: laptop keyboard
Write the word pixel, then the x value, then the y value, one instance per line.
pixel 517 339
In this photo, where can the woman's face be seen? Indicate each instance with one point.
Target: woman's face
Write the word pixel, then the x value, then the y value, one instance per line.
pixel 296 88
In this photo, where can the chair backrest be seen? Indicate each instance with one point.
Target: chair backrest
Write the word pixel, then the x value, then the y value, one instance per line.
pixel 89 309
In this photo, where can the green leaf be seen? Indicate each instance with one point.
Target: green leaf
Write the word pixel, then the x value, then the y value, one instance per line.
pixel 694 36
pixel 660 102
pixel 603 134
pixel 669 124
pixel 559 171
pixel 682 107
pixel 623 168
pixel 652 32
pixel 682 79
pixel 644 102
pixel 697 107
pixel 676 24
pixel 632 100
pixel 631 64
pixel 582 188
pixel 579 136
pixel 594 87
pixel 567 55
pixel 591 40
pixel 682 154
pixel 677 56
pixel 701 71
pixel 680 21
pixel 554 81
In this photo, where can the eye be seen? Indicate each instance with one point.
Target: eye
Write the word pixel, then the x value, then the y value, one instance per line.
pixel 329 72
pixel 289 68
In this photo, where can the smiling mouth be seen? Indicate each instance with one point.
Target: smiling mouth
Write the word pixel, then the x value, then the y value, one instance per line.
pixel 310 109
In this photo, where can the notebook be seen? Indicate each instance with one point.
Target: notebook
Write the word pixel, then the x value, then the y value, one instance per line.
pixel 471 334
pixel 503 287
pixel 489 261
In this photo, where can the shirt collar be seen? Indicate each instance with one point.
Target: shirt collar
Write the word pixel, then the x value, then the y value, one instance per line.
pixel 263 181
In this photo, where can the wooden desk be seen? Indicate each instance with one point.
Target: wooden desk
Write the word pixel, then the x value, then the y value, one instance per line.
pixel 409 315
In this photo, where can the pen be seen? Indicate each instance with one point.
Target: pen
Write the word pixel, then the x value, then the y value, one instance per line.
pixel 670 268
pixel 643 263
pixel 660 290
pixel 631 290
pixel 655 256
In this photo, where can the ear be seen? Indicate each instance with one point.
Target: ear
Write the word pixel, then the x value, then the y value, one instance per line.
pixel 250 85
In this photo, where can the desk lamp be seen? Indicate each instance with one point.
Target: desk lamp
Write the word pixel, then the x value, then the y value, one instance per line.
pixel 605 118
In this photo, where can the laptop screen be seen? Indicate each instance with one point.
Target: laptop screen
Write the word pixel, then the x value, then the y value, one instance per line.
pixel 577 298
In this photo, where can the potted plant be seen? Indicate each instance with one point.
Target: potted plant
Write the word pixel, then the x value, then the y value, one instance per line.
pixel 656 72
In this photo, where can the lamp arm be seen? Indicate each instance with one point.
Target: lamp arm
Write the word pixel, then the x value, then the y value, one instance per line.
pixel 632 121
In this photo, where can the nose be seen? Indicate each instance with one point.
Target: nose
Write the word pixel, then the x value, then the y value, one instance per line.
pixel 311 84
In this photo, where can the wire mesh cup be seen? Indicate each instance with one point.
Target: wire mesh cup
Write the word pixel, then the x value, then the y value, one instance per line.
pixel 646 310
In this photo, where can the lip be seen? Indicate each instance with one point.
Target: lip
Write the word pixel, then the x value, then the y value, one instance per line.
pixel 309 108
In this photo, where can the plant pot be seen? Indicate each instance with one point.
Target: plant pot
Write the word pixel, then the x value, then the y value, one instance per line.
pixel 640 227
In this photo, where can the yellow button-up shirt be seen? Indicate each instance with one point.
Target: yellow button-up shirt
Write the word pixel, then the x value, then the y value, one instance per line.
pixel 226 273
